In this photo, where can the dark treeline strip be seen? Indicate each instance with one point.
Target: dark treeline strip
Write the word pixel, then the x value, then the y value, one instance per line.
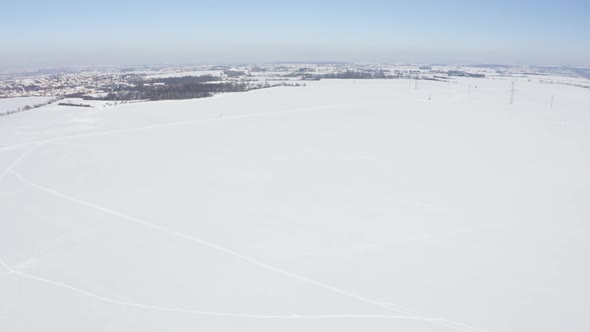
pixel 359 75
pixel 378 74
pixel 180 89
pixel 74 105
pixel 175 91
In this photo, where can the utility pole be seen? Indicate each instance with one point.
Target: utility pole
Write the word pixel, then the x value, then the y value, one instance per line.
pixel 512 94
pixel 552 101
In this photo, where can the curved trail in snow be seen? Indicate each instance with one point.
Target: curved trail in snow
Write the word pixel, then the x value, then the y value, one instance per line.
pixel 4 265
pixel 18 159
pixel 36 144
pixel 443 322
pixel 205 313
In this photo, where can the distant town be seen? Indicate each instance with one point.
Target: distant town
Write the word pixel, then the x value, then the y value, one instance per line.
pixel 157 82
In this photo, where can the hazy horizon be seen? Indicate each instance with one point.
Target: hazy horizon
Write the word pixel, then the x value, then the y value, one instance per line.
pixel 69 33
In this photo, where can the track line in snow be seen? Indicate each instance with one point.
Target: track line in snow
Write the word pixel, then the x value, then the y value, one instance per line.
pixel 210 313
pixel 17 160
pixel 4 265
pixel 252 260
pixel 444 322
pixel 205 313
pixel 225 314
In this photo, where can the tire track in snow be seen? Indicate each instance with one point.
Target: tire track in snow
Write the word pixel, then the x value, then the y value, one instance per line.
pixel 4 265
pixel 443 322
pixel 18 159
pixel 206 313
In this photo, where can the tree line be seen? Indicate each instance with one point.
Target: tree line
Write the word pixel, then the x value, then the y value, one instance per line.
pixel 172 91
pixel 30 107
pixel 179 88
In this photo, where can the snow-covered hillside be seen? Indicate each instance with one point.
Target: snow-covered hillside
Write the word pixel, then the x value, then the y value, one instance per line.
pixel 13 104
pixel 345 205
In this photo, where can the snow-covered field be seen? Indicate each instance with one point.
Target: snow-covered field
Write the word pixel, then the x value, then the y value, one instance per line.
pixel 339 206
pixel 12 104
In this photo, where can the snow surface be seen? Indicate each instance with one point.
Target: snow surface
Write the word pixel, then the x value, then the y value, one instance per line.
pixel 12 104
pixel 340 206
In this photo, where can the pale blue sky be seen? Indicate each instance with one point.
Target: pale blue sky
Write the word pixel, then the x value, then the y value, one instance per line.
pixel 50 33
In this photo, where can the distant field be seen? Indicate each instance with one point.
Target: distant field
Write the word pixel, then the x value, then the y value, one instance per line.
pixel 12 104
